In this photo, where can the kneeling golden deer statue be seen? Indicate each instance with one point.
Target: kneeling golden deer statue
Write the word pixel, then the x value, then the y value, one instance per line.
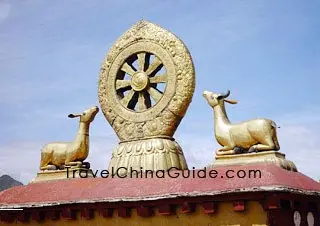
pixel 61 154
pixel 251 136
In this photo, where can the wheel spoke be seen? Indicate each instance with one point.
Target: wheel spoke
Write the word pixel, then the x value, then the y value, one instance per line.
pixel 156 95
pixel 141 61
pixel 122 84
pixel 155 64
pixel 141 102
pixel 127 69
pixel 133 101
pixel 125 101
pixel 147 99
pixel 133 96
pixel 159 79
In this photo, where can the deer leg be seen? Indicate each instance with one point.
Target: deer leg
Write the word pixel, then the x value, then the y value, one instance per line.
pixel 266 145
pixel 76 163
pixel 48 167
pixel 45 160
pixel 276 142
pixel 226 150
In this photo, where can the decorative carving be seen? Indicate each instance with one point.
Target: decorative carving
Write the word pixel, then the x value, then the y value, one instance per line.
pixel 297 218
pixel 250 136
pixel 146 85
pixel 147 73
pixel 64 154
pixel 151 154
pixel 310 219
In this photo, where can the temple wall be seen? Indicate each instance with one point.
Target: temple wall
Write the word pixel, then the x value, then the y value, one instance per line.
pixel 254 215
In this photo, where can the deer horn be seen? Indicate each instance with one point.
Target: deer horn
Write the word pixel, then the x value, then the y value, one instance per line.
pixel 224 95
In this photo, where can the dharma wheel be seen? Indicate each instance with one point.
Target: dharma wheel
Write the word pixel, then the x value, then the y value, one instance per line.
pixel 146 84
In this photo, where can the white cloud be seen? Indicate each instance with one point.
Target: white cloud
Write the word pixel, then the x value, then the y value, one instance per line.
pixel 20 160
pixel 198 148
pixel 299 139
pixel 101 151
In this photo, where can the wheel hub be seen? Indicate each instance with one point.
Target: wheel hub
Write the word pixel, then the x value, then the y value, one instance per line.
pixel 139 81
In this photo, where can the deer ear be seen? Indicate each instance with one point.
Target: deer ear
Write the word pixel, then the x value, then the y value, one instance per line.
pixel 231 101
pixel 73 115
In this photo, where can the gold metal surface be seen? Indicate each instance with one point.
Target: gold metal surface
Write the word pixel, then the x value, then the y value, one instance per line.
pixel 57 156
pixel 271 157
pixel 151 154
pixel 73 172
pixel 146 85
pixel 250 136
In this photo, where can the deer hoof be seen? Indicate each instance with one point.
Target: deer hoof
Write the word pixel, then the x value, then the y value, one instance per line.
pixel 86 165
pixel 252 149
pixel 238 150
pixel 62 167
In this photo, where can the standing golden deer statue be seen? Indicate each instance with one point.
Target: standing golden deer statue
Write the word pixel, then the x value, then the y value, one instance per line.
pixel 63 154
pixel 251 136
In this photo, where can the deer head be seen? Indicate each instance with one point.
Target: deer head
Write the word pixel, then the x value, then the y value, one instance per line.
pixel 215 99
pixel 86 116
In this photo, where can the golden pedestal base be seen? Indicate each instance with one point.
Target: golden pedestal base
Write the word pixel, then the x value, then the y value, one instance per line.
pixel 50 175
pixel 271 157
pixel 149 154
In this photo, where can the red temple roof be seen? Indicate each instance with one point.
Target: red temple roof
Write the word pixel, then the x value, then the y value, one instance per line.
pixel 91 190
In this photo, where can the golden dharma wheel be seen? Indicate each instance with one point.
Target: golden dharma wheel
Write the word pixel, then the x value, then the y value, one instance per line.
pixel 146 83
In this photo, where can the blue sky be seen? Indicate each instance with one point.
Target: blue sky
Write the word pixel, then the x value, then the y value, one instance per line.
pixel 266 52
